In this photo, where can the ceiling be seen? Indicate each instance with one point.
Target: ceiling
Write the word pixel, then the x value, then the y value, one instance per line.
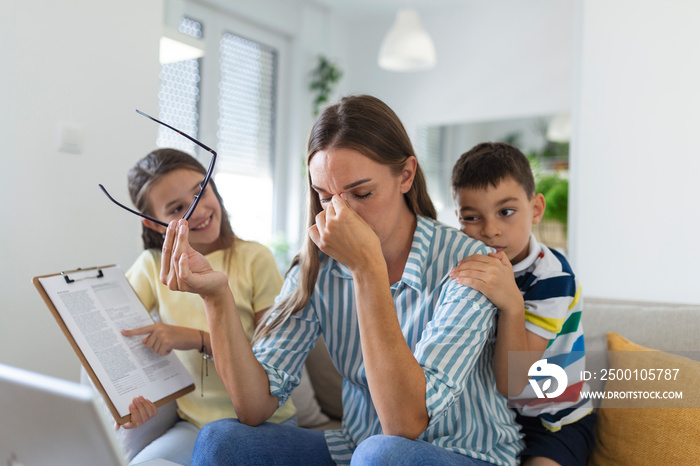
pixel 379 8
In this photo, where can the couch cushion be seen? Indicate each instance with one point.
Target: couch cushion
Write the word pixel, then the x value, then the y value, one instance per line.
pixel 652 435
pixel 663 326
pixel 309 412
pixel 327 382
pixel 133 440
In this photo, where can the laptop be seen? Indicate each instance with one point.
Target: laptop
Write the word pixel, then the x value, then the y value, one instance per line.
pixel 50 421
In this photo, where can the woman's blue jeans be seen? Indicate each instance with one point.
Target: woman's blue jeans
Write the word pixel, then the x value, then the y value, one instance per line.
pixel 386 450
pixel 228 442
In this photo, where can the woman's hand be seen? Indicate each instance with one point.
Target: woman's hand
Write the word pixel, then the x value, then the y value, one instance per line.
pixel 342 234
pixel 163 338
pixel 183 268
pixel 141 411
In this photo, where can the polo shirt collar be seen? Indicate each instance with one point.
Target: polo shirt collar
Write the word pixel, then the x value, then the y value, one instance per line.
pixel 534 251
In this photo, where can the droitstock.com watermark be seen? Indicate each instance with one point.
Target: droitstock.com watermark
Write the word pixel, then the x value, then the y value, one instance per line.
pixel 615 379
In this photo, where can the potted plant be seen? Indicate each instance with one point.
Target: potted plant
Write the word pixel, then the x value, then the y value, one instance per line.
pixel 323 78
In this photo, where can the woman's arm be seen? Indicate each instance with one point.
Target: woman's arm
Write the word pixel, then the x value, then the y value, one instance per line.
pixel 524 347
pixel 396 380
pixel 245 380
pixel 493 276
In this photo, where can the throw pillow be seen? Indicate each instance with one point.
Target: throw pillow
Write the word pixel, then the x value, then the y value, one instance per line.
pixel 648 435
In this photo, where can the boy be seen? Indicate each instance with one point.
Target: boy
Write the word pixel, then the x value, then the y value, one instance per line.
pixel 536 293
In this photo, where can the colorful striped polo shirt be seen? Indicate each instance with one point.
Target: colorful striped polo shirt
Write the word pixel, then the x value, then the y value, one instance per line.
pixel 553 308
pixel 448 327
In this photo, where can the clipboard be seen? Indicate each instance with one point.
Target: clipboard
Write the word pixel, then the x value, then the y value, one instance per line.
pixel 112 279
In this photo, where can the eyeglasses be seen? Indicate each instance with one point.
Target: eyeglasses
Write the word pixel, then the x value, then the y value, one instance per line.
pixel 202 185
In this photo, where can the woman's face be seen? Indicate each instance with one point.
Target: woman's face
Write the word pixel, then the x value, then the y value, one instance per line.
pixel 172 194
pixel 371 189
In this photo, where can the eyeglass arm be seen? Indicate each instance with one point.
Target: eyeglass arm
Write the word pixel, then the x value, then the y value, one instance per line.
pixel 131 210
pixel 204 183
pixel 177 131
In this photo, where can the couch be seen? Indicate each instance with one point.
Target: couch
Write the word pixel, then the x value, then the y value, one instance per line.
pixel 623 436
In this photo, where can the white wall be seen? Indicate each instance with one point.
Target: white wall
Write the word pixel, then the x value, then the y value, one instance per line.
pixel 88 63
pixel 629 69
pixel 496 59
pixel 636 151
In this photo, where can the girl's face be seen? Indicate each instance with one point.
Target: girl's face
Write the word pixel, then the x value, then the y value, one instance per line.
pixel 172 194
pixel 371 189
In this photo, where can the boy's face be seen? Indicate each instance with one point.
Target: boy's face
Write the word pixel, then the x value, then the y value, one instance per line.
pixel 501 217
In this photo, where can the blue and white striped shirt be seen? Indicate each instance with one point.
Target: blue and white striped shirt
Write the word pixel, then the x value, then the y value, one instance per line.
pixel 448 327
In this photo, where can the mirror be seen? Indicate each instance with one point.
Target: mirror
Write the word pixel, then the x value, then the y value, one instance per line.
pixel 544 139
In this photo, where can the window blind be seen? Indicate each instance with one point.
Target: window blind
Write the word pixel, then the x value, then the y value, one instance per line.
pixel 247 103
pixel 178 97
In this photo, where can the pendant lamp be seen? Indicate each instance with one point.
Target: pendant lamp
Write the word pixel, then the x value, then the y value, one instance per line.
pixel 407 46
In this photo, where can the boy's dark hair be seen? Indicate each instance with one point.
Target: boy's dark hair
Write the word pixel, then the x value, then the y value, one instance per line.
pixel 489 163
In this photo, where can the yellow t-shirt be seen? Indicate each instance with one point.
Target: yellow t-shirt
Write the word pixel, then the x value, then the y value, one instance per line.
pixel 254 281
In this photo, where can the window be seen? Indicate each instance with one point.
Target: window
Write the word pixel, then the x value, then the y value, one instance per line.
pixel 430 152
pixel 178 98
pixel 229 99
pixel 247 134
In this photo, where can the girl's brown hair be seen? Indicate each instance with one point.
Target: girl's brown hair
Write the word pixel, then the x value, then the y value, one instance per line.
pixel 148 170
pixel 367 125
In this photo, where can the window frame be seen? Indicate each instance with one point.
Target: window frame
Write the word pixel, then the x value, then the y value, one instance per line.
pixel 215 24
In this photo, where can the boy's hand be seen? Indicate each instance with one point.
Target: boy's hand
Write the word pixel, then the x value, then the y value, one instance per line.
pixel 493 276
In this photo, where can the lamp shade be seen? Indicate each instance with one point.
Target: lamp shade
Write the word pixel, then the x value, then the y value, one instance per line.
pixel 407 46
pixel 559 129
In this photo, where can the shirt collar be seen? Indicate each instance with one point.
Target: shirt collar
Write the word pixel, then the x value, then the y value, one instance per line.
pixel 533 252
pixel 413 275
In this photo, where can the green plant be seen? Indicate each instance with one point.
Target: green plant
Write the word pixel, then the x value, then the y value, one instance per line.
pixel 280 247
pixel 323 78
pixel 555 190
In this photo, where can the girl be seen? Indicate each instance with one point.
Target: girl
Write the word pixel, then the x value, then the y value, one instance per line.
pixel 162 185
pixel 414 347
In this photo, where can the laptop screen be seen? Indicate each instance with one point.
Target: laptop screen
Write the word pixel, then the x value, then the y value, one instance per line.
pixel 45 420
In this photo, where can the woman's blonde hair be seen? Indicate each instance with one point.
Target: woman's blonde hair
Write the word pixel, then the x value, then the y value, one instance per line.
pixel 367 125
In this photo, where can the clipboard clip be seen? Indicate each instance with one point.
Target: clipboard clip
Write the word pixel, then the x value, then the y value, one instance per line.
pixel 71 280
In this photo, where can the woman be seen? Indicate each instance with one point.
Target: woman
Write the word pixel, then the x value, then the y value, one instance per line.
pixel 415 348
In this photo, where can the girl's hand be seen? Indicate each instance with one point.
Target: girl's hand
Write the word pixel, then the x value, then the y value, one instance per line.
pixel 342 234
pixel 163 338
pixel 141 411
pixel 183 268
pixel 493 276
